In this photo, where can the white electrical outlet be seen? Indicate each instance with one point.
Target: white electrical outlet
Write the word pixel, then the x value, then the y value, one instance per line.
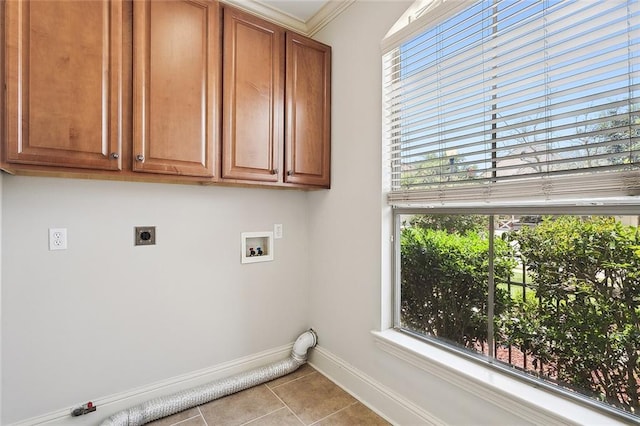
pixel 277 231
pixel 57 238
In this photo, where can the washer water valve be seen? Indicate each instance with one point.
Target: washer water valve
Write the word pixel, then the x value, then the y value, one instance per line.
pixel 85 409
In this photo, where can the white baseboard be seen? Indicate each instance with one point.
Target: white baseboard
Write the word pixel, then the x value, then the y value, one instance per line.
pixel 382 400
pixel 109 405
pixel 385 402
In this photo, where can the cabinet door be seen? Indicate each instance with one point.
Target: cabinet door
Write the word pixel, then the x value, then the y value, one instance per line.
pixel 253 98
pixel 64 83
pixel 308 98
pixel 176 86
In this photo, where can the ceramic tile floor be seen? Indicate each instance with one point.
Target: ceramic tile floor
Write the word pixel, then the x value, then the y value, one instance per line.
pixel 304 397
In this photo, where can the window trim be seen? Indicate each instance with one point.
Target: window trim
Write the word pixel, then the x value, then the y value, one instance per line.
pixel 479 360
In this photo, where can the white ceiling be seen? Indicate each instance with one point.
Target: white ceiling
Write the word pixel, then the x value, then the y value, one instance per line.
pixel 299 9
pixel 304 16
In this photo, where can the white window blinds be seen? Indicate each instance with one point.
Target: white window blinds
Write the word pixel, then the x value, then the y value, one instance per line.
pixel 516 102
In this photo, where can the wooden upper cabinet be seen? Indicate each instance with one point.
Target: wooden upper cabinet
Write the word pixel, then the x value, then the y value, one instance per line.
pixel 64 83
pixel 176 86
pixel 308 99
pixel 89 84
pixel 253 92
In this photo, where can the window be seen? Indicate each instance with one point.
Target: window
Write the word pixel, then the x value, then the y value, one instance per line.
pixel 513 143
pixel 561 303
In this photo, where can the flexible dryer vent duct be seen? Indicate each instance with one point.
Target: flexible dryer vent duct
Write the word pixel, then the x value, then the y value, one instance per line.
pixel 160 407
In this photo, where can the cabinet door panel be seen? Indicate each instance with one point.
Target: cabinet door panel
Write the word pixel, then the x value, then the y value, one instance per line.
pixel 253 98
pixel 308 93
pixel 176 82
pixel 64 83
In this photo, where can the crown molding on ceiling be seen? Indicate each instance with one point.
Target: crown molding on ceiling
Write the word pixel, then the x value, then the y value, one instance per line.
pixel 326 14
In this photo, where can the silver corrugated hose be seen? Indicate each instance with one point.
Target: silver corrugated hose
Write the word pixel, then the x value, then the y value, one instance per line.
pixel 163 406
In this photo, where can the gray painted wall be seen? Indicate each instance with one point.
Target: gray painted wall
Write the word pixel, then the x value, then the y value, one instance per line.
pixel 104 316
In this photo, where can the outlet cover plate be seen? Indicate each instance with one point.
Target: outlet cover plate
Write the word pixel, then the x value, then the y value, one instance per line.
pixel 145 235
pixel 57 238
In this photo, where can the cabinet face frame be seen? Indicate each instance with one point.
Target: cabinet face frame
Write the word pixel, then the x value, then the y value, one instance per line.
pixel 77 149
pixel 251 153
pixel 308 112
pixel 156 154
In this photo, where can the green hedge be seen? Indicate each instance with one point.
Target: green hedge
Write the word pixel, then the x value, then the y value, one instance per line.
pixel 444 283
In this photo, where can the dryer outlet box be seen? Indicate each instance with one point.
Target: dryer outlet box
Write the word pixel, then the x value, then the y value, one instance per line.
pixel 145 235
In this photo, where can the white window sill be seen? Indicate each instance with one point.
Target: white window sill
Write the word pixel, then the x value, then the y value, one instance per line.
pixel 518 397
